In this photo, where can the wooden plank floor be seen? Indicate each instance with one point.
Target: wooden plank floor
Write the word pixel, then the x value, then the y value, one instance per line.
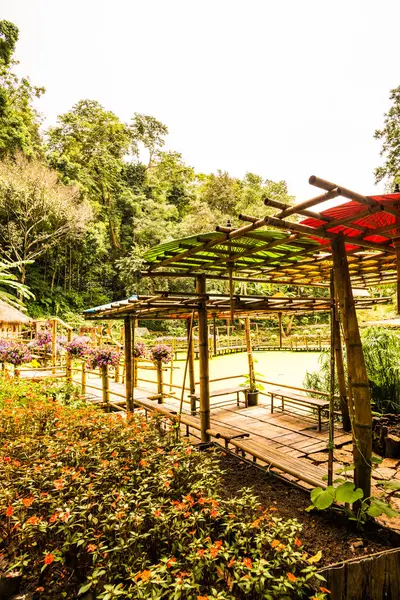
pixel 293 434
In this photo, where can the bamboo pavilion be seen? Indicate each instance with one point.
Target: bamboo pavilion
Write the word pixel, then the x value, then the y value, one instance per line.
pixel 356 244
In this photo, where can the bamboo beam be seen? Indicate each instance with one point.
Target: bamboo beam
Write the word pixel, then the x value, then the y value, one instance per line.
pixel 128 363
pixel 332 193
pixel 357 372
pixel 306 213
pixel 68 359
pixel 397 248
pixel 346 193
pixel 203 360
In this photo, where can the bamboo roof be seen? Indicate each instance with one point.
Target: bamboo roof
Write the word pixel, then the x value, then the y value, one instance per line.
pixel 293 253
pixel 169 305
pixel 9 314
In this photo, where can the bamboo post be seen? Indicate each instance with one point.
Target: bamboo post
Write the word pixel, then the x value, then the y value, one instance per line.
pixel 68 361
pixel 132 367
pixel 280 330
pixel 53 344
pixel 128 363
pixel 192 378
pixel 214 335
pixel 344 404
pixel 332 383
pixel 357 373
pixel 252 377
pixel 105 385
pixel 135 371
pixel 397 248
pixel 83 378
pixel 203 360
pixel 160 391
pixel 117 373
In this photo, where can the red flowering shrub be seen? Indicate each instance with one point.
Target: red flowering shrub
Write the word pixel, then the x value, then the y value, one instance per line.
pixel 115 505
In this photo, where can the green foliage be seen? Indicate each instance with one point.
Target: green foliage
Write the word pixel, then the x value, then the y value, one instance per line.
pixel 19 120
pixel 119 507
pixel 9 285
pixel 390 136
pixel 381 349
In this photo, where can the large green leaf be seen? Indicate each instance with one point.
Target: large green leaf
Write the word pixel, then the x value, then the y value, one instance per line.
pixel 348 493
pixel 321 498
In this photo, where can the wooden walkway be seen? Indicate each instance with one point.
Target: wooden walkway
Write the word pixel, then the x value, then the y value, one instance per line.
pixel 286 442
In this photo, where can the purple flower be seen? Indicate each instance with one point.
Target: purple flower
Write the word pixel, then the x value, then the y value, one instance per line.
pixel 139 350
pixel 100 357
pixel 17 354
pixel 78 347
pixel 161 352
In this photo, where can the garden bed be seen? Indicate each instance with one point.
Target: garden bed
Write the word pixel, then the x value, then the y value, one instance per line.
pixel 338 537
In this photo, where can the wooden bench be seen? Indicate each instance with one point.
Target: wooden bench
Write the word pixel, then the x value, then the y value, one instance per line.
pixel 224 392
pixel 299 400
pixel 299 468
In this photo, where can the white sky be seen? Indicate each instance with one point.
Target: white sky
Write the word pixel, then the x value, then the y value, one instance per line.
pixel 285 89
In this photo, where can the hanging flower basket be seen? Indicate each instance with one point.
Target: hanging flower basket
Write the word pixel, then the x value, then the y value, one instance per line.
pixel 162 353
pixel 78 347
pixel 139 350
pixel 4 346
pixel 102 357
pixel 18 354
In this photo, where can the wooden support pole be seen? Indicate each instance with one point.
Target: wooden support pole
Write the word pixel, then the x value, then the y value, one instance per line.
pixel 133 361
pixel 160 386
pixel 344 404
pixel 397 248
pixel 68 360
pixel 192 379
pixel 280 329
pixel 331 440
pixel 83 378
pixel 203 360
pixel 128 363
pixel 231 292
pixel 214 335
pixel 117 373
pixel 357 373
pixel 105 385
pixel 53 344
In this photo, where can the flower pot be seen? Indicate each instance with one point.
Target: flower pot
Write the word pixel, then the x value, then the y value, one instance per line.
pixel 252 397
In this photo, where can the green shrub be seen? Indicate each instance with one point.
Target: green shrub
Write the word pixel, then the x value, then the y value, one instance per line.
pixel 382 359
pixel 117 506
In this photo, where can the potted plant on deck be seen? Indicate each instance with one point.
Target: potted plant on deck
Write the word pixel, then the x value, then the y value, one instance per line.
pixel 253 388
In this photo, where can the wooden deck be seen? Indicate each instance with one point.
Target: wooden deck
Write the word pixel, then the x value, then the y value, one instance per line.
pixel 283 441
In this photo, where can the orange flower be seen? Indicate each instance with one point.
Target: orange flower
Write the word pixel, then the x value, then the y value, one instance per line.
pixel 218 544
pixel 188 450
pixel 275 543
pixel 143 462
pixel 324 590
pixel 58 484
pixel 53 518
pixel 214 513
pixel 9 511
pixel 291 577
pixel 231 563
pixel 298 542
pixel 33 520
pixel 171 562
pixel 248 563
pixel 91 547
pixel 39 589
pixel 200 552
pixel 144 575
pixel 28 501
pixel 214 551
pixel 202 597
pixel 48 559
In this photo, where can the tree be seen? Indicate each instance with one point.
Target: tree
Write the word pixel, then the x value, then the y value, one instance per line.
pixel 36 211
pixel 9 285
pixel 150 132
pixel 19 120
pixel 390 136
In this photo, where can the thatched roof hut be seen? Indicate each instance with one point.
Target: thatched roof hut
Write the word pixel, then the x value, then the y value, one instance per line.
pixel 11 318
